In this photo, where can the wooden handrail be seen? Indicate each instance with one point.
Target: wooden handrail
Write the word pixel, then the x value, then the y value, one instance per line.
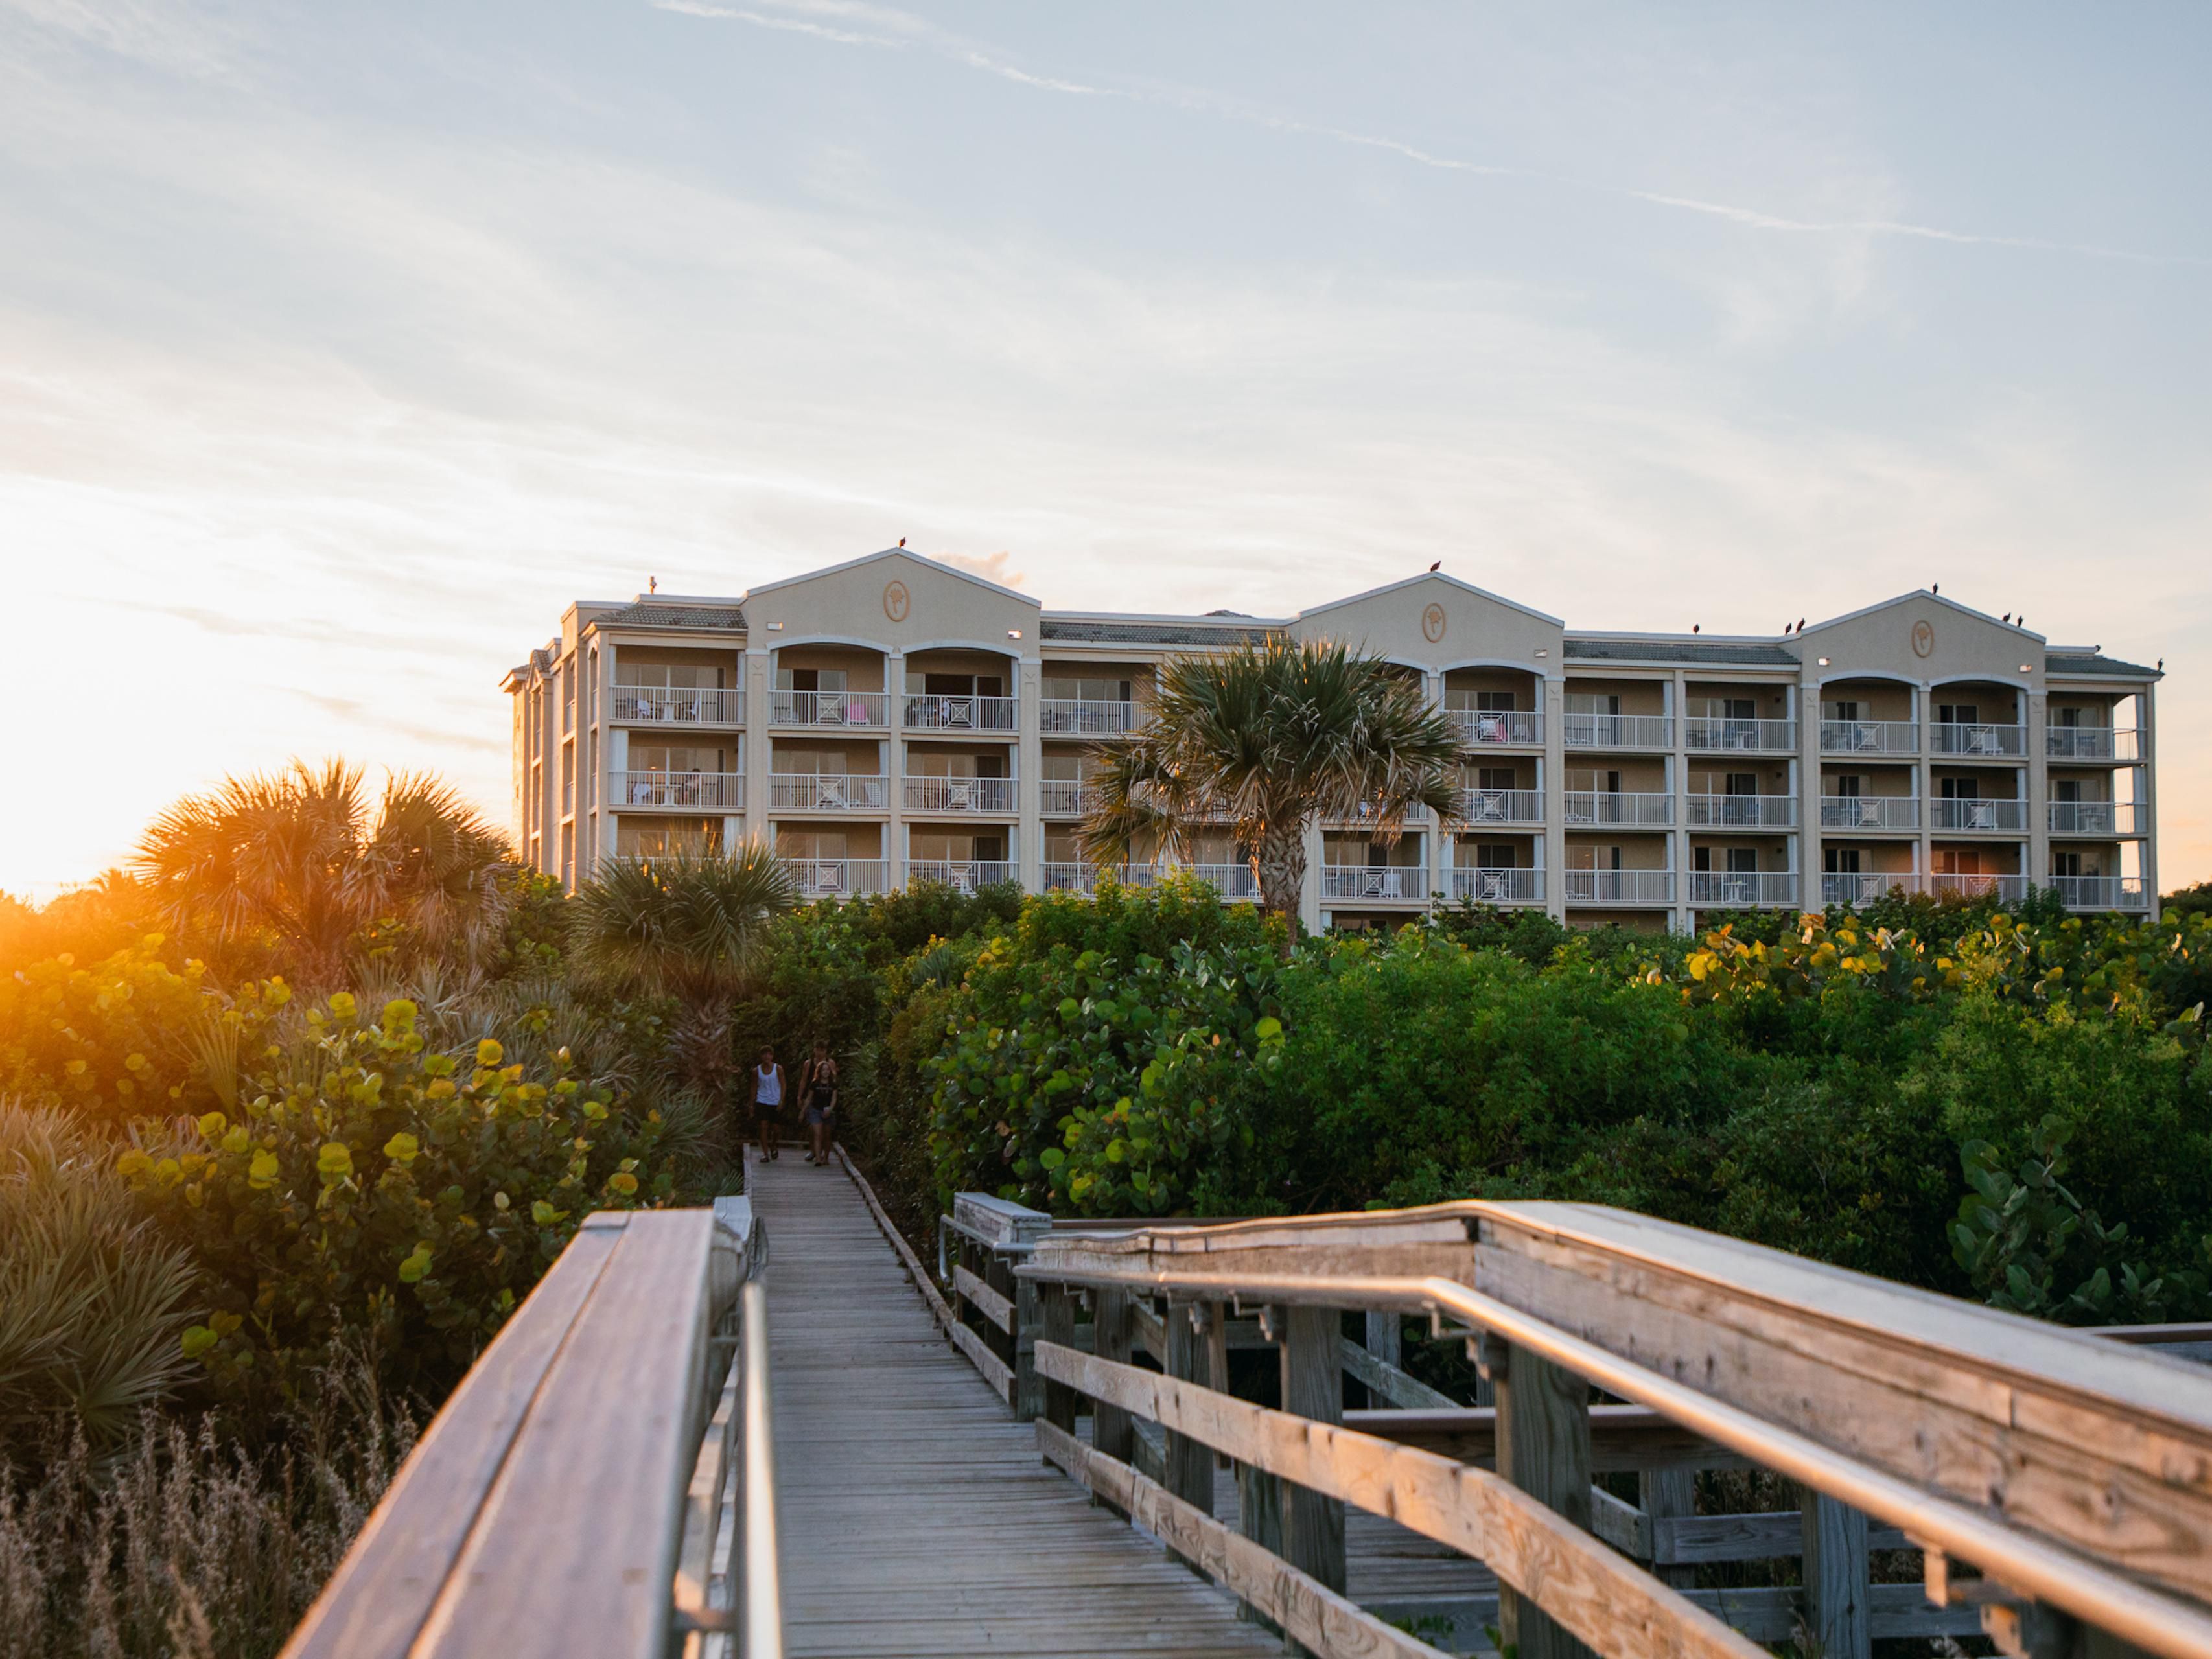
pixel 598 1383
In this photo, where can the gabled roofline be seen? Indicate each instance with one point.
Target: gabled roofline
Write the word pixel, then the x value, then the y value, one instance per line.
pixel 906 554
pixel 1167 618
pixel 1432 576
pixel 1932 598
pixel 1640 636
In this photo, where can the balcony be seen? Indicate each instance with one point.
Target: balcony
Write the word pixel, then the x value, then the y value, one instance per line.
pixel 964 874
pixel 938 713
pixel 2100 892
pixel 1869 812
pixel 1493 728
pixel 993 796
pixel 1480 806
pixel 1084 878
pixel 721 792
pixel 829 792
pixel 1743 811
pixel 1648 811
pixel 838 878
pixel 1739 736
pixel 1374 881
pixel 1232 881
pixel 2095 818
pixel 682 705
pixel 1857 887
pixel 1869 737
pixel 1087 717
pixel 864 709
pixel 1064 798
pixel 1495 886
pixel 1955 885
pixel 1744 889
pixel 1945 813
pixel 1980 742
pixel 2089 743
pixel 1620 886
pixel 1619 730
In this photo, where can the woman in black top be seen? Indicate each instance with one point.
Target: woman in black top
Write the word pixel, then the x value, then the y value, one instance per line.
pixel 817 1092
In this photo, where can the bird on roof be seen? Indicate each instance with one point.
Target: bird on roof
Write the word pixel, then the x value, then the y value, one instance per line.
pixel 1935 587
pixel 2007 617
pixel 902 541
pixel 1800 624
pixel 1694 627
pixel 652 583
pixel 1437 566
pixel 2161 665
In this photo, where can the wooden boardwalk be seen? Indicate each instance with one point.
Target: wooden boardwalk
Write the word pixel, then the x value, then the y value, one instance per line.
pixel 917 1515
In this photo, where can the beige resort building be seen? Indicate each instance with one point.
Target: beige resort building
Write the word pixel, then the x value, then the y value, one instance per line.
pixel 895 719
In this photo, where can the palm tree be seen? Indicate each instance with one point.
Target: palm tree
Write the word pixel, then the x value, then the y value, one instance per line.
pixel 1268 738
pixel 296 858
pixel 689 926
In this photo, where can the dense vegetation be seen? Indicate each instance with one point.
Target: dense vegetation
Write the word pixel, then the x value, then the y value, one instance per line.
pixel 293 1115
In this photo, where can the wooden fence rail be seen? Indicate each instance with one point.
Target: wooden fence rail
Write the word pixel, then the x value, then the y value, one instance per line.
pixel 2072 1472
pixel 570 1496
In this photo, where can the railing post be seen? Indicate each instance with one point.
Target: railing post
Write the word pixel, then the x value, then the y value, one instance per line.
pixel 1838 1601
pixel 1189 1463
pixel 1057 1325
pixel 1260 1510
pixel 1544 1449
pixel 1669 1495
pixel 1029 1320
pixel 1313 1386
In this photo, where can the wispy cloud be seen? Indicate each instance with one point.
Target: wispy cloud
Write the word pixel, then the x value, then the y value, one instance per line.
pixel 911 31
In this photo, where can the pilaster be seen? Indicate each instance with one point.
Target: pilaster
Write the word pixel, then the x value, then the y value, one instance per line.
pixel 1029 770
pixel 2036 765
pixel 1554 779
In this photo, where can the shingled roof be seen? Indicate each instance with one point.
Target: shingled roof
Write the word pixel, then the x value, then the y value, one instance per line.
pixel 2067 663
pixel 1739 653
pixel 1075 632
pixel 721 618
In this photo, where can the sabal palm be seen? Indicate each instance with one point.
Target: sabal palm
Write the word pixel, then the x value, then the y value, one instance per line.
pixel 297 856
pixel 686 925
pixel 1265 739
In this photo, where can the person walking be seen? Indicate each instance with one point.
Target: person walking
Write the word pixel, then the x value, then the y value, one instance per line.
pixel 817 1091
pixel 768 1104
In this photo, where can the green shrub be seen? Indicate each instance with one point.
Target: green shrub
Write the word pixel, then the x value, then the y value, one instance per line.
pixel 365 1186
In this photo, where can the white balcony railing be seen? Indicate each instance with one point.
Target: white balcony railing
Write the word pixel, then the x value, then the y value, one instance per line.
pixel 1479 807
pixel 1953 885
pixel 707 791
pixel 1491 728
pixel 1869 812
pixel 1084 878
pixel 1088 717
pixel 1232 881
pixel 861 708
pixel 1495 886
pixel 1374 881
pixel 1648 811
pixel 1993 742
pixel 1620 886
pixel 938 713
pixel 1945 812
pixel 1702 732
pixel 1746 888
pixel 1063 797
pixel 966 874
pixel 1869 737
pixel 1855 887
pixel 2095 818
pixel 828 792
pixel 839 878
pixel 2099 892
pixel 678 705
pixel 2089 743
pixel 1619 730
pixel 1743 811
pixel 992 795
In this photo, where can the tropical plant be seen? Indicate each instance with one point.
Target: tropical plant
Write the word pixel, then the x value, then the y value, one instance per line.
pixel 296 859
pixel 1265 740
pixel 92 1301
pixel 688 926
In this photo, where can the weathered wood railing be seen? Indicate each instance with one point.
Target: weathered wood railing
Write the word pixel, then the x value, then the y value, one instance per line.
pixel 2073 1473
pixel 602 1479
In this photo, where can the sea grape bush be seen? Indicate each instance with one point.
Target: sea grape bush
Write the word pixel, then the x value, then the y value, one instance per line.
pixel 366 1187
pixel 110 1041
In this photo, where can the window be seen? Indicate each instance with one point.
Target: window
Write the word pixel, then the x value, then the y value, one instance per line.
pixel 1060 688
pixel 676 757
pixel 1960 789
pixel 1488 778
pixel 955 686
pixel 809 679
pixel 2067 789
pixel 2067 718
pixel 955 846
pixel 1593 858
pixel 1957 713
pixel 670 676
pixel 791 843
pixel 1849 785
pixel 1844 712
pixel 1724 709
pixel 1497 854
pixel 1495 702
pixel 809 763
pixel 651 838
pixel 1840 860
pixel 1742 783
pixel 940 763
pixel 1742 861
pixel 2065 864
pixel 1593 703
pixel 1586 780
pixel 1959 861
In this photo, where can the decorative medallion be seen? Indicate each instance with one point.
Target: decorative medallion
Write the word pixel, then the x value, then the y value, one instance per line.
pixel 1923 637
pixel 897 600
pixel 1432 623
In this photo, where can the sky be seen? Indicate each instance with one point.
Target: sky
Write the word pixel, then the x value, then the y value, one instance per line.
pixel 341 346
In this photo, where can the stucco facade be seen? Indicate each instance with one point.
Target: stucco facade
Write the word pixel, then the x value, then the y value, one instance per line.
pixel 894 719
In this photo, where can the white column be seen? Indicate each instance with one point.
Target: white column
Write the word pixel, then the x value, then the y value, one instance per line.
pixel 1552 693
pixel 613 753
pixel 1677 692
pixel 2148 795
pixel 2035 768
pixel 1925 852
pixel 1029 769
pixel 754 676
pixel 894 765
pixel 1309 897
pixel 1809 791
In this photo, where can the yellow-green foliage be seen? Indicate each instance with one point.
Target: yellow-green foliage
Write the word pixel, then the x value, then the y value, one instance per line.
pixel 364 1183
pixel 112 1040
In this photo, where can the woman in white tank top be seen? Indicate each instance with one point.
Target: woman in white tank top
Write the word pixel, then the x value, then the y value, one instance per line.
pixel 768 1104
